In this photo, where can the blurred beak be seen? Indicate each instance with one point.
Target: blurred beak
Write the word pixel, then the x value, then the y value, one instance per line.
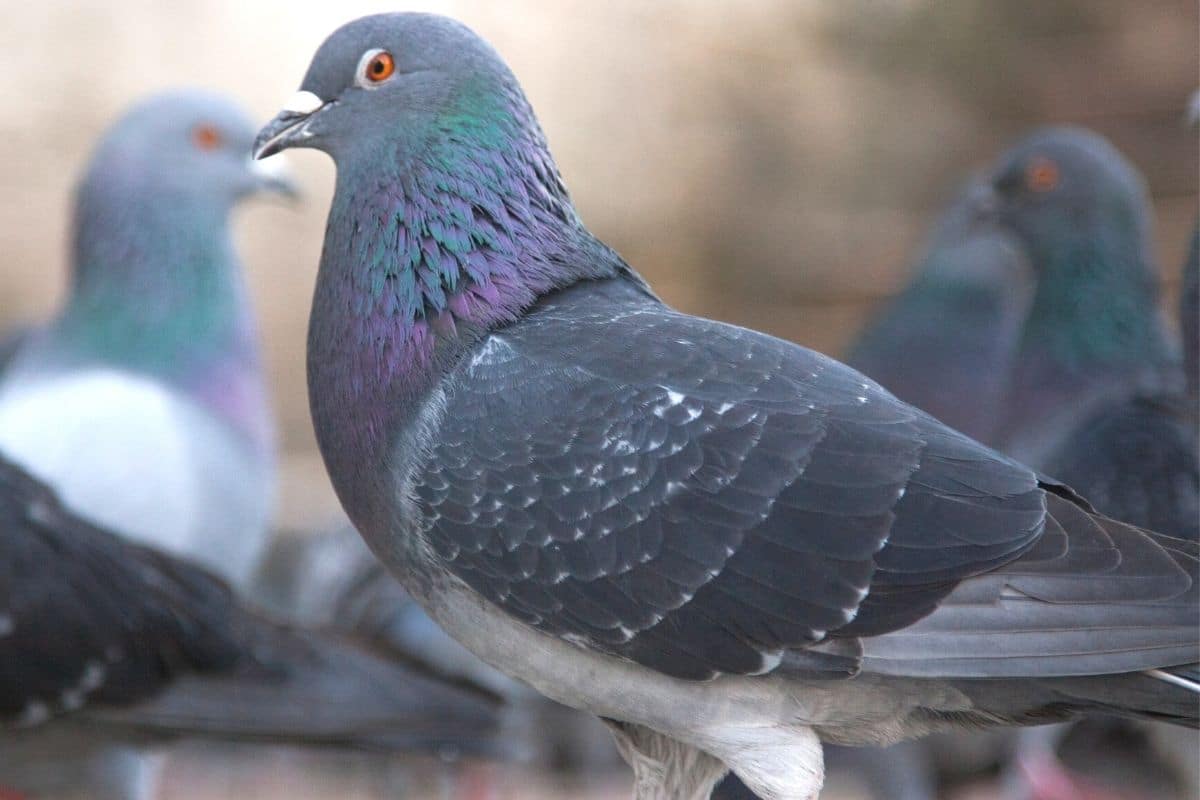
pixel 290 126
pixel 273 175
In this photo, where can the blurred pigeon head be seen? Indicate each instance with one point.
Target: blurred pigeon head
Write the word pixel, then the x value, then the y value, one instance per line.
pixel 189 148
pixel 1063 184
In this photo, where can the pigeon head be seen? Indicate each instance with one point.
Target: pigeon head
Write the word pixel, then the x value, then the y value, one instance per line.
pixel 1094 328
pixel 190 148
pixel 397 86
pixel 1060 184
pixel 159 188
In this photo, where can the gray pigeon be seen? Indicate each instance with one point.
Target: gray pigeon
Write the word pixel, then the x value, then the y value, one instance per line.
pixel 143 401
pixel 1093 356
pixel 728 546
pixel 1094 335
pixel 945 343
pixel 1096 379
pixel 107 646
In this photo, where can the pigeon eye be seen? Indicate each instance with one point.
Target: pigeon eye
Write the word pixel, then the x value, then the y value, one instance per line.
pixel 377 66
pixel 1041 175
pixel 207 137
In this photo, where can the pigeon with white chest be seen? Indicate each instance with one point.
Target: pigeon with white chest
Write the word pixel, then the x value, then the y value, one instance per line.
pixel 143 400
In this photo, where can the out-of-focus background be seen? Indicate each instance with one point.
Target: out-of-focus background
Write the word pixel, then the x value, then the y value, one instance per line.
pixel 767 162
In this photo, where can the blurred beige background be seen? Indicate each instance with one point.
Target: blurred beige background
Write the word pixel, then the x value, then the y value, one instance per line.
pixel 768 162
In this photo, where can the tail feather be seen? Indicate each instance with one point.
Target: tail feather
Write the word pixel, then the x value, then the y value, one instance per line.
pixel 1185 677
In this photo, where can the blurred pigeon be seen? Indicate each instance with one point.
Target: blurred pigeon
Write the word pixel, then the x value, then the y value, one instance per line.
pixel 945 343
pixel 1139 461
pixel 330 579
pixel 726 545
pixel 1094 345
pixel 143 402
pixel 1094 359
pixel 1094 335
pixel 107 646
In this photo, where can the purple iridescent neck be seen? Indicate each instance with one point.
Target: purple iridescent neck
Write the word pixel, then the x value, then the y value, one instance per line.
pixel 423 256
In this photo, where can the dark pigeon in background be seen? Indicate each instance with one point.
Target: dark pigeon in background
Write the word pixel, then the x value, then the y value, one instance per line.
pixel 946 342
pixel 143 401
pixel 1094 359
pixel 726 545
pixel 1094 336
pixel 330 579
pixel 1129 438
pixel 107 646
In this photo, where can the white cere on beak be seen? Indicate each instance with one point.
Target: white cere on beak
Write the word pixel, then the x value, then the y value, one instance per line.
pixel 303 103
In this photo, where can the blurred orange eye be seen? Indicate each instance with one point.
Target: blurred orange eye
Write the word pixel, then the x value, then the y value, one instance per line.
pixel 1041 175
pixel 207 137
pixel 380 67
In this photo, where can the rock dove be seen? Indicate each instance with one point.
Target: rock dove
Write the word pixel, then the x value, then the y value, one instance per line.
pixel 107 645
pixel 1095 376
pixel 1094 335
pixel 728 546
pixel 143 401
pixel 1093 355
pixel 945 343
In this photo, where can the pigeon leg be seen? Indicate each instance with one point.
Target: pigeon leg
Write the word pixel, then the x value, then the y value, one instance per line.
pixel 665 768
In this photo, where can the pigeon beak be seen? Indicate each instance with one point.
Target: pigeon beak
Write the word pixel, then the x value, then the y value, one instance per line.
pixel 272 174
pixel 290 126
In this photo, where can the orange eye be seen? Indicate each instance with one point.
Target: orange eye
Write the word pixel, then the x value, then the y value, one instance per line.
pixel 1041 175
pixel 380 67
pixel 207 137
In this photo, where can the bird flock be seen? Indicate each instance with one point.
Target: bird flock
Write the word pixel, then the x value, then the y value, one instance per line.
pixel 733 551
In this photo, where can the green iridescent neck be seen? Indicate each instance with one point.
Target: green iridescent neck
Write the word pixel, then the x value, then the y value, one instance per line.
pixel 155 287
pixel 1095 306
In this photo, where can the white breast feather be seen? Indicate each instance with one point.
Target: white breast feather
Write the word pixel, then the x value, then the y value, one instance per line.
pixel 111 444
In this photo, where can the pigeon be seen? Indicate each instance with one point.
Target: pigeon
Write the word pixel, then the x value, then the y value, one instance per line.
pixel 1094 361
pixel 1094 335
pixel 142 402
pixel 728 546
pixel 945 343
pixel 107 646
